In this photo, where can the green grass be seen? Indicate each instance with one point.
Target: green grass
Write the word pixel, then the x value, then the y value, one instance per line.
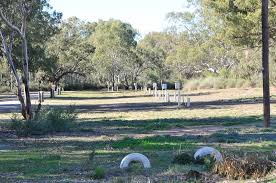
pixel 102 139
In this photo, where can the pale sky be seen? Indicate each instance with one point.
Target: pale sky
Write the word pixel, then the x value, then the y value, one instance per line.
pixel 144 15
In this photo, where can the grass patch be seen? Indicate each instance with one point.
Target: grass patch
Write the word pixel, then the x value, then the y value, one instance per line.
pixel 154 143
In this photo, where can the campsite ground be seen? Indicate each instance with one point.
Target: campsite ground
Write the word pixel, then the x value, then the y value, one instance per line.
pixel 115 124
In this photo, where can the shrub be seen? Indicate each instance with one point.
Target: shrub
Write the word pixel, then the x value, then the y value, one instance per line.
pixel 252 166
pixel 99 173
pixel 183 159
pixel 42 87
pixel 207 83
pixel 219 83
pixel 49 120
pixel 192 85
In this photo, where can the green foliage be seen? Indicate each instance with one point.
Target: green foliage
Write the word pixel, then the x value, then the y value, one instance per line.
pixel 49 120
pixel 183 159
pixel 220 83
pixel 209 162
pixel 99 173
pixel 156 142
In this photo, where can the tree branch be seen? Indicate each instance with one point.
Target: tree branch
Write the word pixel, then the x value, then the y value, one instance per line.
pixel 9 23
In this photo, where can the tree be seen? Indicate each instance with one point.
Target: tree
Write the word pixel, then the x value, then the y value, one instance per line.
pixel 69 51
pixel 15 20
pixel 158 45
pixel 114 42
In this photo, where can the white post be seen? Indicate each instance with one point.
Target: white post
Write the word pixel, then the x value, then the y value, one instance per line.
pixel 188 102
pixel 179 98
pixel 135 86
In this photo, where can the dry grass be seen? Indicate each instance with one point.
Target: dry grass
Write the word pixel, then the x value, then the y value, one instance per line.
pixel 252 166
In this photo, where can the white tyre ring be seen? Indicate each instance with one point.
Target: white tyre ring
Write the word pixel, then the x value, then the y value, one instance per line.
pixel 200 153
pixel 135 157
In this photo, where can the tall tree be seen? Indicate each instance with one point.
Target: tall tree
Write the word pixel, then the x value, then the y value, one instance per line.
pixel 16 16
pixel 69 51
pixel 114 42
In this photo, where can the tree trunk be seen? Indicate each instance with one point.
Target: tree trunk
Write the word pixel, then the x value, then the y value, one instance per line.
pixel 26 80
pixel 265 63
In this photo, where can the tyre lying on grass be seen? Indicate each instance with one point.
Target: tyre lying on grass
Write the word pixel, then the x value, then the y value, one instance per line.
pixel 204 151
pixel 135 157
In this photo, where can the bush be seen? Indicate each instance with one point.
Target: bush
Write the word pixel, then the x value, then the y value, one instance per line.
pixel 252 166
pixel 183 159
pixel 192 85
pixel 219 83
pixel 99 173
pixel 42 87
pixel 207 83
pixel 49 120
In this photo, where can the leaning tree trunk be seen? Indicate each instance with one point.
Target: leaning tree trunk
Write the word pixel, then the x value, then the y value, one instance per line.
pixel 26 106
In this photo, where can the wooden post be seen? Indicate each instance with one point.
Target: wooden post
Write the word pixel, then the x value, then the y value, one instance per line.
pixel 52 92
pixel 265 63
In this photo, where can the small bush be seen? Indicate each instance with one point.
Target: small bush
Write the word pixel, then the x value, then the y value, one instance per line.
pixel 252 166
pixel 37 87
pixel 49 120
pixel 99 173
pixel 192 85
pixel 219 83
pixel 207 83
pixel 183 159
pixel 209 162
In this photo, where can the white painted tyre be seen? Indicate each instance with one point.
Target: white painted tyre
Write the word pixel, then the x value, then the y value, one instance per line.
pixel 135 157
pixel 200 153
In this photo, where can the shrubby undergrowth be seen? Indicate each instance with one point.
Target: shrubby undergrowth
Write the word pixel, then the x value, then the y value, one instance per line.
pixel 220 83
pixel 49 120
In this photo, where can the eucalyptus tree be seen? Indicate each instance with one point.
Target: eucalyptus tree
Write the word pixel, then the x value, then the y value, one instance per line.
pixel 17 20
pixel 158 46
pixel 115 43
pixel 69 51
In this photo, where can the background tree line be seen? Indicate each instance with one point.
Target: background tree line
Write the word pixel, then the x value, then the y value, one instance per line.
pixel 212 43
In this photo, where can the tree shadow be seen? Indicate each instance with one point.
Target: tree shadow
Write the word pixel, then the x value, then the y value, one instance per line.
pixel 99 98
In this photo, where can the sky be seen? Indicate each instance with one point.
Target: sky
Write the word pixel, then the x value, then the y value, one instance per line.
pixel 144 15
